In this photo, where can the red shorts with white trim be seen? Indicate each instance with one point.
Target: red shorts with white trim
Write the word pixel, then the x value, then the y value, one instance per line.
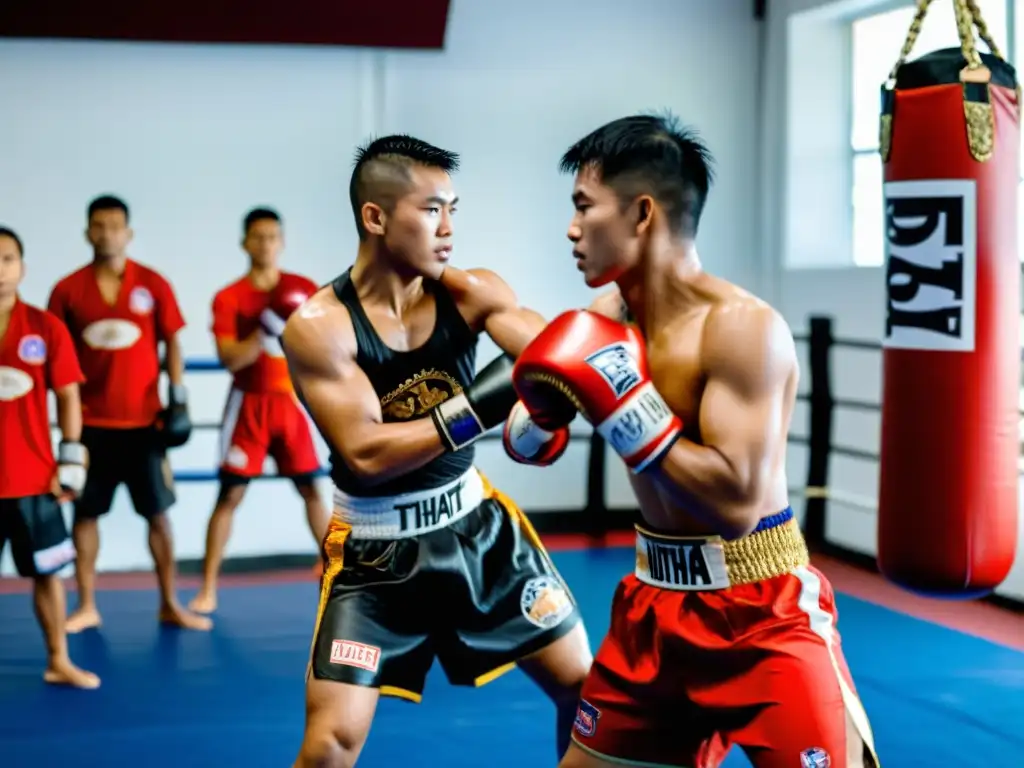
pixel 260 424
pixel 686 672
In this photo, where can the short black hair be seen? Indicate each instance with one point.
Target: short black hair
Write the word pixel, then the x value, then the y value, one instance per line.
pixel 8 232
pixel 650 154
pixel 108 203
pixel 384 163
pixel 259 214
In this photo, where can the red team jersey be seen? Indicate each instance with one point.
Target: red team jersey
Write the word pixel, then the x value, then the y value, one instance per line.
pixel 117 344
pixel 236 314
pixel 36 355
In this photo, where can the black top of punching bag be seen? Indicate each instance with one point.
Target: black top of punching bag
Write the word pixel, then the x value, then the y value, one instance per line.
pixel 943 68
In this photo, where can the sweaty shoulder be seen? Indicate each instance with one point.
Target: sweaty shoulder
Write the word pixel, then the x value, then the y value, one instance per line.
pixel 745 335
pixel 478 292
pixel 319 335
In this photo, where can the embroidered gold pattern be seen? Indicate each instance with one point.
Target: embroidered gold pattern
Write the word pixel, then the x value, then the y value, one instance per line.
pixel 418 394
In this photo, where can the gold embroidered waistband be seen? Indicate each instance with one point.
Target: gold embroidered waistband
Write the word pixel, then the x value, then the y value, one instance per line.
pixel 702 563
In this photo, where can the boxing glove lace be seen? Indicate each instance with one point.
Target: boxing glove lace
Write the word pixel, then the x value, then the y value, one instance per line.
pixel 600 366
pixel 527 443
pixel 483 405
pixel 71 460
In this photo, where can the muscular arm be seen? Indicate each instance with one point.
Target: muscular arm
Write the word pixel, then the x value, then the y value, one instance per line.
pixel 494 306
pixel 342 402
pixel 69 413
pixel 749 358
pixel 236 354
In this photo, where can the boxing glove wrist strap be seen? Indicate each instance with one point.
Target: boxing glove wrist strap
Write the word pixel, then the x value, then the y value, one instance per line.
pixel 485 404
pixel 272 322
pixel 527 439
pixel 642 428
pixel 71 458
pixel 527 443
pixel 177 394
pixel 71 452
pixel 457 422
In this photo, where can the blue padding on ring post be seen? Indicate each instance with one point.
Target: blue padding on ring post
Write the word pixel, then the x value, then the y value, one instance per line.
pixel 203 364
pixel 207 476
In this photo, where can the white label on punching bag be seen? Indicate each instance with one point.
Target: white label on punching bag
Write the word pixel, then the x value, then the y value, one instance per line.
pixel 931 242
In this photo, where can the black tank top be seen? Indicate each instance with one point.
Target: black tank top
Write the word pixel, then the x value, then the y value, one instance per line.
pixel 409 384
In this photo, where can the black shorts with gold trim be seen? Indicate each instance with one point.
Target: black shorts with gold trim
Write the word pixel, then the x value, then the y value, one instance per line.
pixel 477 595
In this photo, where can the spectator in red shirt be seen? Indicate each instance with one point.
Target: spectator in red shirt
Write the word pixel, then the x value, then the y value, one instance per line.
pixel 119 312
pixel 263 415
pixel 36 355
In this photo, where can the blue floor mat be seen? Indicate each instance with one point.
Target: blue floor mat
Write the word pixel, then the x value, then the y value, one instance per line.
pixel 234 697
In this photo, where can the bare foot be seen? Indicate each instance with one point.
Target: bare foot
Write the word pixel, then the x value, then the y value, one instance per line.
pixel 204 602
pixel 81 619
pixel 177 616
pixel 66 673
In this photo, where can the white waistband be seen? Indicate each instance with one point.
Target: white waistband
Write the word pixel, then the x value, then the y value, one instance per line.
pixel 410 514
pixel 687 564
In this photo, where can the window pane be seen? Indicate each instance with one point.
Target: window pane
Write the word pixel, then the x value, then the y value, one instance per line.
pixel 1018 38
pixel 1020 227
pixel 868 216
pixel 877 41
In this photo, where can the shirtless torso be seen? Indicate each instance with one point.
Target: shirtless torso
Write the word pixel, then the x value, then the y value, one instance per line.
pixel 679 349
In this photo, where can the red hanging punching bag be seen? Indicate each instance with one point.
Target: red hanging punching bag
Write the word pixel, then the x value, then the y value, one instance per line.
pixel 950 135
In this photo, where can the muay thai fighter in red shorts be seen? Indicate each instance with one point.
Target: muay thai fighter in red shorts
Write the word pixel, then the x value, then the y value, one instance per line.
pixel 262 415
pixel 725 634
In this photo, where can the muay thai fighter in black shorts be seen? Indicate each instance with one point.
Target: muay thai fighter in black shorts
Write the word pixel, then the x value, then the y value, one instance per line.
pixel 424 558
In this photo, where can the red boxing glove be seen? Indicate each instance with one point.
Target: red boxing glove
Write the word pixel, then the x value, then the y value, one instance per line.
pixel 284 302
pixel 272 319
pixel 600 366
pixel 527 443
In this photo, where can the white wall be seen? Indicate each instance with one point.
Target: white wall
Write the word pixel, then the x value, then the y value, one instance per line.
pixel 802 38
pixel 192 136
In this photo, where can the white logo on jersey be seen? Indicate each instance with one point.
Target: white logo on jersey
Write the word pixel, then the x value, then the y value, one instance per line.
pixel 140 301
pixel 32 349
pixel 14 383
pixel 111 335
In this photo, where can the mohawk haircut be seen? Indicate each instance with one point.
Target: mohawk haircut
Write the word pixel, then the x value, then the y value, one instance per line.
pixel 383 168
pixel 654 155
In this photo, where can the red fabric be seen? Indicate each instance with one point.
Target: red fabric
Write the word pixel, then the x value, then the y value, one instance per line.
pixel 395 24
pixel 683 676
pixel 117 344
pixel 604 364
pixel 36 355
pixel 236 315
pixel 274 423
pixel 948 506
